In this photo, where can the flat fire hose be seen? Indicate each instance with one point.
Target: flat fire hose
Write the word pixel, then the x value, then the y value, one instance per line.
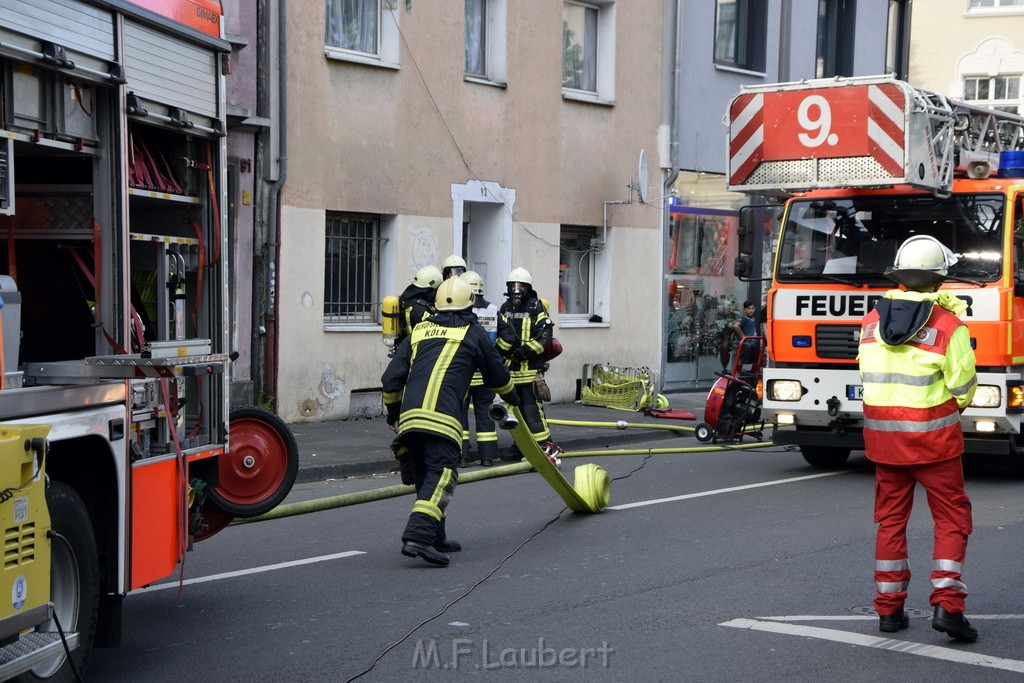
pixel 591 489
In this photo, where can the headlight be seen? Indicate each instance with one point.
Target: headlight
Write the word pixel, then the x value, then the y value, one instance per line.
pixel 987 396
pixel 785 390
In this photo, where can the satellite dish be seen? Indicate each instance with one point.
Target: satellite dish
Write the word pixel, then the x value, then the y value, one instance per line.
pixel 641 184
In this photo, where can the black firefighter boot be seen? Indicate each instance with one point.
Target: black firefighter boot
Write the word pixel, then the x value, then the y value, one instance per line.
pixel 488 452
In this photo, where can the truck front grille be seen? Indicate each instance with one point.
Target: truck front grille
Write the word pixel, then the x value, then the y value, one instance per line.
pixel 837 341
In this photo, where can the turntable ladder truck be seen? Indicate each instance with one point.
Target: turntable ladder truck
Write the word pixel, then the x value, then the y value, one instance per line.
pixel 850 168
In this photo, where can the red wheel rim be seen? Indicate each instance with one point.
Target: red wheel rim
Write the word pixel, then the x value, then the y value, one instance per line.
pixel 257 464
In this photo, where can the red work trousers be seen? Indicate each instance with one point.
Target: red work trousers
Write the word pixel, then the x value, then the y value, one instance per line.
pixel 951 513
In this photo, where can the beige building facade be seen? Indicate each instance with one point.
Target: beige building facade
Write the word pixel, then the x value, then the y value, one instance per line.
pixel 970 50
pixel 510 133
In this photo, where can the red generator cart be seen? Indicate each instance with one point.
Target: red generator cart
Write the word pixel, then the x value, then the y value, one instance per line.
pixel 733 408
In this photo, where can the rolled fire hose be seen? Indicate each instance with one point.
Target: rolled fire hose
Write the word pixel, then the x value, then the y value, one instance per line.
pixel 585 482
pixel 592 488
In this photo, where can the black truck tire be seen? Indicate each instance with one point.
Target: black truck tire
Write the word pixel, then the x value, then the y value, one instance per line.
pixel 74 582
pixel 825 457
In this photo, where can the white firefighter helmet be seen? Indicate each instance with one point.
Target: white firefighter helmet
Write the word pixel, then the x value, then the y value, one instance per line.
pixel 475 281
pixel 519 275
pixel 921 261
pixel 453 265
pixel 454 294
pixel 427 276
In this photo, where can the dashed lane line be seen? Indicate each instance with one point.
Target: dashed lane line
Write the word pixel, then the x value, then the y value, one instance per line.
pixel 906 647
pixel 246 572
pixel 731 489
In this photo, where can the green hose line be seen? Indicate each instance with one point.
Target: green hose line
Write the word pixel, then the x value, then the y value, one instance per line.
pixel 590 492
pixel 357 497
pixel 621 424
pixel 663 451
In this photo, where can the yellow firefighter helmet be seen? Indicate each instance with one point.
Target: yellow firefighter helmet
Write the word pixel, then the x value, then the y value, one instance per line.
pixel 454 294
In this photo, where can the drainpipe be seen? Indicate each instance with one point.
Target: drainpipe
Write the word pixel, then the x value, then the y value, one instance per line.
pixel 672 67
pixel 273 270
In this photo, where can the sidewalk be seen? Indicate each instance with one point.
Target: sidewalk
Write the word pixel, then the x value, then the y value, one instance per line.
pixel 348 448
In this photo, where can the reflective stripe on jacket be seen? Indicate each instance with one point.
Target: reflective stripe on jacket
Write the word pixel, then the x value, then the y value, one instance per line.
pixel 914 391
pixel 432 369
pixel 525 329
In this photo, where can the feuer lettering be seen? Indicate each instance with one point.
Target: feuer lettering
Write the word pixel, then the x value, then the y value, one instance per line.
pixel 848 305
pixel 836 305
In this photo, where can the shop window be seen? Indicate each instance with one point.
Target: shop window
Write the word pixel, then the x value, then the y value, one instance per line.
pixel 699 241
pixel 484 43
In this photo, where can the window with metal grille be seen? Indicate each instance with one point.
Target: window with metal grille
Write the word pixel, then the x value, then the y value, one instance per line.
pixel 351 269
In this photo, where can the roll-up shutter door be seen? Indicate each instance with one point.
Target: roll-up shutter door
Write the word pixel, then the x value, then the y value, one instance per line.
pixel 165 71
pixel 85 32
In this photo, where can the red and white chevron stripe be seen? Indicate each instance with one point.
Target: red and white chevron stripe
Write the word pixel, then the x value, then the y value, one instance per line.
pixel 746 136
pixel 886 134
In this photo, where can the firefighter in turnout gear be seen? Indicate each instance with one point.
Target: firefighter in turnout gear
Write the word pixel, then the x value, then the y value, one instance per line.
pixel 453 266
pixel 425 387
pixel 417 301
pixel 524 332
pixel 480 396
pixel 918 373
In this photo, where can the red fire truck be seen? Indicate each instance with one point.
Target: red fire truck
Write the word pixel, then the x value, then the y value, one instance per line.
pixel 118 444
pixel 860 165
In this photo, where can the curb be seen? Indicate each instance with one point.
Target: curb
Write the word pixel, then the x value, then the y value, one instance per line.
pixel 316 473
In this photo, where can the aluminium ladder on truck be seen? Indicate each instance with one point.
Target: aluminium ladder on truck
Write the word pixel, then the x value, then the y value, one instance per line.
pixel 860 132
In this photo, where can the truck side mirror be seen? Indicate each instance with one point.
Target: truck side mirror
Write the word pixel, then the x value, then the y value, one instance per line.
pixel 746 234
pixel 743 267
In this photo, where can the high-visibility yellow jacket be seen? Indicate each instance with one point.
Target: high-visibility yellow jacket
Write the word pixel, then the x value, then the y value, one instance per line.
pixel 917 369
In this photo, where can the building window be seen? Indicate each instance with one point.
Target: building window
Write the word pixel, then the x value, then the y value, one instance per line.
pixel 983 4
pixel 352 268
pixel 740 31
pixel 588 50
pixel 836 23
pixel 485 40
pixel 897 43
pixel 576 264
pixel 998 92
pixel 476 37
pixel 364 31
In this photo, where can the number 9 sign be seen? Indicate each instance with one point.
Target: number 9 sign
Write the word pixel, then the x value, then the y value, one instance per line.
pixel 819 123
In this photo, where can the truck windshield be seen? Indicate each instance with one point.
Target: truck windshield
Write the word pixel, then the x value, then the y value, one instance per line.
pixel 854 239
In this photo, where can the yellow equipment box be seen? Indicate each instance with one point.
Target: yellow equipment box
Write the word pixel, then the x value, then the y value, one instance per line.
pixel 25 521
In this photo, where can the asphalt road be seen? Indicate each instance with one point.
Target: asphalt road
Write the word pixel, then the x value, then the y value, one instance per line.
pixel 712 567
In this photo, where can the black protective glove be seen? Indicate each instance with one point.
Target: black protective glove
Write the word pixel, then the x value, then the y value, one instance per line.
pixel 520 354
pixel 404 461
pixel 394 410
pixel 511 398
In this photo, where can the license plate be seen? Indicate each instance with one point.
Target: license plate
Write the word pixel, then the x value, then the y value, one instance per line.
pixel 855 392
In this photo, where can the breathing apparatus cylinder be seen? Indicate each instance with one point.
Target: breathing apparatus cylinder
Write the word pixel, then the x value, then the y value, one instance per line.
pixel 389 319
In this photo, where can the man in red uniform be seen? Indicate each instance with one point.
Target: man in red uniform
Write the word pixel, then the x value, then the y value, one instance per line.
pixel 917 369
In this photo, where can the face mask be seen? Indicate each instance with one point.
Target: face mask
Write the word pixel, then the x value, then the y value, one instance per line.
pixel 517 291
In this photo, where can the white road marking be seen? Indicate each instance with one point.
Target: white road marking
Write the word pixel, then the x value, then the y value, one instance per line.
pixel 715 492
pixel 864 640
pixel 246 572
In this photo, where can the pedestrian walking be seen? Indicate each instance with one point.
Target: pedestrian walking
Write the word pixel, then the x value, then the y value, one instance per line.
pixel 424 387
pixel 918 374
